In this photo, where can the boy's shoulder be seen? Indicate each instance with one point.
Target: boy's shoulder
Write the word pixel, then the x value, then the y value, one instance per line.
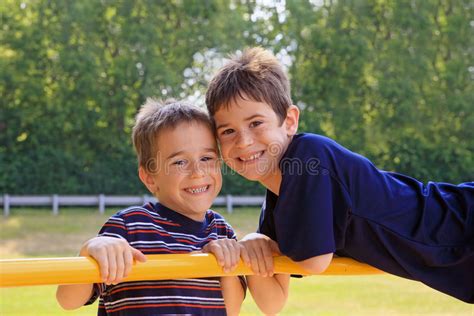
pixel 215 218
pixel 308 144
pixel 144 213
pixel 213 215
pixel 315 139
pixel 134 210
pixel 162 216
pixel 220 225
pixel 318 150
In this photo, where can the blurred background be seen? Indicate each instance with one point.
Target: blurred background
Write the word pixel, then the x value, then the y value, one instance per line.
pixel 392 80
pixel 389 79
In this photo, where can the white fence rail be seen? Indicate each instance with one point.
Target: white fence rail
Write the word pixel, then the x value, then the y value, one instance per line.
pixel 101 201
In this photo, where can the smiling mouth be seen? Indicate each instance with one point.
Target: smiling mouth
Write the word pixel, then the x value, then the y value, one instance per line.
pixel 253 157
pixel 197 190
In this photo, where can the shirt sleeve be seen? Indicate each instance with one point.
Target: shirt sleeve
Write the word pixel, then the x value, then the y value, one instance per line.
pixel 230 232
pixel 114 227
pixel 97 290
pixel 303 215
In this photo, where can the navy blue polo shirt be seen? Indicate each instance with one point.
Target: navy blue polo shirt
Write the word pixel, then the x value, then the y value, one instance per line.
pixel 334 200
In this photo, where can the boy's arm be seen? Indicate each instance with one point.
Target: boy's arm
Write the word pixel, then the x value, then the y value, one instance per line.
pixel 115 259
pixel 270 293
pixel 227 253
pixel 233 293
pixel 73 296
pixel 317 264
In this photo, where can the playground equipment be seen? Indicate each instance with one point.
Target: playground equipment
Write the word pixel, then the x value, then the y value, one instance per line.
pixel 77 270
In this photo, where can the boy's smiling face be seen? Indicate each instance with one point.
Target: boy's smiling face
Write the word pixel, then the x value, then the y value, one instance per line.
pixel 187 177
pixel 253 139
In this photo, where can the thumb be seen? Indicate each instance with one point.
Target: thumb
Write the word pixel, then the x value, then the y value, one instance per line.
pixel 274 248
pixel 138 255
pixel 205 249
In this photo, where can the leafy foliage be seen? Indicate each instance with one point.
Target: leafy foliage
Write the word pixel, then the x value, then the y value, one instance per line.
pixel 389 79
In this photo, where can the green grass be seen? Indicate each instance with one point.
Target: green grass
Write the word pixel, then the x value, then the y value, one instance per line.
pixel 37 233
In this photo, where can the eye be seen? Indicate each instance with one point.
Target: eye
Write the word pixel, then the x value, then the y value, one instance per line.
pixel 179 162
pixel 255 123
pixel 209 157
pixel 227 131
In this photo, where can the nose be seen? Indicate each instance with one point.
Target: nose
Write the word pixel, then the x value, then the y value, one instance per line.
pixel 197 170
pixel 244 139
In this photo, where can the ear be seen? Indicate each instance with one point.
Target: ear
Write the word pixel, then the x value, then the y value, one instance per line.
pixel 148 180
pixel 291 120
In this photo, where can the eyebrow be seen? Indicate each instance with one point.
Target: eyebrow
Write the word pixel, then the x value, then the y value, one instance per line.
pixel 180 152
pixel 246 119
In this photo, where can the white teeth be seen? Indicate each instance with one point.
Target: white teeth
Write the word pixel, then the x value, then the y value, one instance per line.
pixel 253 157
pixel 198 190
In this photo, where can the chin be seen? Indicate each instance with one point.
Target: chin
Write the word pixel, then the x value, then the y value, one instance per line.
pixel 204 205
pixel 252 176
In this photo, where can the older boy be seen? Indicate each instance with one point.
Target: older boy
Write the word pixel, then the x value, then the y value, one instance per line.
pixel 323 198
pixel 179 164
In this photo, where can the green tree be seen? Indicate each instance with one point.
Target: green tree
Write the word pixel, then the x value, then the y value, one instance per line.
pixel 391 80
pixel 74 74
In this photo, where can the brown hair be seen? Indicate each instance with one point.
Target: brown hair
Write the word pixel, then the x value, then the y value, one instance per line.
pixel 254 74
pixel 154 117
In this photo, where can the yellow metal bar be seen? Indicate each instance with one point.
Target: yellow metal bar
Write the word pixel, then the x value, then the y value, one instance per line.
pixel 77 270
pixel 346 266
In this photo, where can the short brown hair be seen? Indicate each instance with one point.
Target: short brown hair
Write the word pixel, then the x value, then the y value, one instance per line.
pixel 254 74
pixel 155 116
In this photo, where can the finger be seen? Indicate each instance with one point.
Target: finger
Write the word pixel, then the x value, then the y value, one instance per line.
pixel 112 272
pixel 254 261
pixel 120 264
pixel 226 256
pixel 217 251
pixel 267 259
pixel 128 262
pixel 261 261
pixel 235 254
pixel 245 255
pixel 103 262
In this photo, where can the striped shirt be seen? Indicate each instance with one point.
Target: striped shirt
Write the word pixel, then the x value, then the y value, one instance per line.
pixel 156 229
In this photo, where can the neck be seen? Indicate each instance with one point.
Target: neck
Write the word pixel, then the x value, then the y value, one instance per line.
pixel 196 218
pixel 273 182
pixel 191 214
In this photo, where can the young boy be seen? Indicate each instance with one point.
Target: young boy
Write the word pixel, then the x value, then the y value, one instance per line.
pixel 324 199
pixel 179 164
